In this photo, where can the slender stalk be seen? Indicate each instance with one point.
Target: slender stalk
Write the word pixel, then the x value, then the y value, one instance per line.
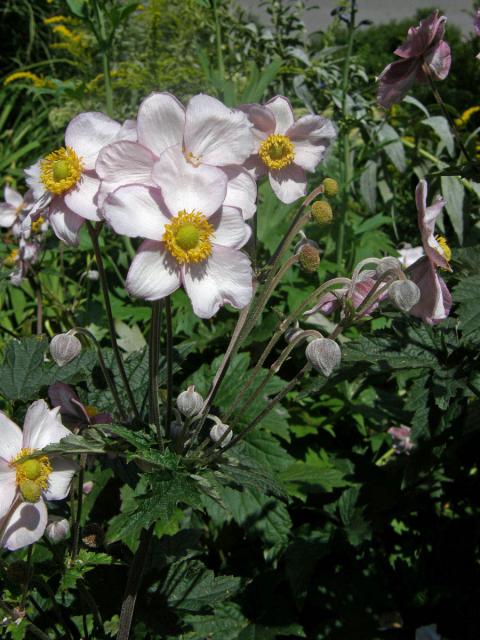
pixel 169 323
pixel 38 297
pixel 133 584
pixel 345 141
pixel 107 78
pixel 108 308
pixel 78 514
pixel 26 585
pixel 154 352
pixel 218 40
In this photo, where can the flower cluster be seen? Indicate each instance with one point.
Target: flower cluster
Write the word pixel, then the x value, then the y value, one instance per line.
pixel 183 180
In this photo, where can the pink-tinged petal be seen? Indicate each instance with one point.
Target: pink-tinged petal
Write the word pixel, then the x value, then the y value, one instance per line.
pixel 262 119
pixel 360 291
pixel 63 396
pixel 136 211
pixel 395 81
pixel 410 255
pixel 224 278
pixel 154 273
pixel 8 486
pixel 429 31
pixel 283 112
pixel 24 526
pixel 435 301
pixel 327 304
pixel 60 479
pixel 439 60
pixel 186 187
pixel 10 438
pixel 128 131
pixel 12 197
pixel 230 228
pixel 32 178
pixel 311 136
pixel 42 426
pixel 8 215
pixel 123 163
pixel 82 198
pixel 426 223
pixel 241 191
pixel 65 223
pixel 255 167
pixel 88 132
pixel 289 184
pixel 160 122
pixel 215 134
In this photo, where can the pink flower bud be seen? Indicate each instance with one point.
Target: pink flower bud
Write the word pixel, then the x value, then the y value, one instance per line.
pixel 87 487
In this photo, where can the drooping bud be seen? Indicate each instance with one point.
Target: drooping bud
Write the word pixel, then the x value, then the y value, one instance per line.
pixel 324 355
pixel 189 402
pixel 64 347
pixel 388 264
pixel 308 256
pixel 321 212
pixel 217 431
pixel 93 275
pixel 292 332
pixel 330 187
pixel 57 529
pixel 404 294
pixel 87 487
pixel 30 491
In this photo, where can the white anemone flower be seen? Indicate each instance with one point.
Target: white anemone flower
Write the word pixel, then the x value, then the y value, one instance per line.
pixel 192 238
pixel 207 132
pixel 24 486
pixel 65 180
pixel 11 208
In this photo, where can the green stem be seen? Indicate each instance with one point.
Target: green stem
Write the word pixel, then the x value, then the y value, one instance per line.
pixel 218 40
pixel 108 308
pixel 108 83
pixel 169 323
pixel 154 352
pixel 78 515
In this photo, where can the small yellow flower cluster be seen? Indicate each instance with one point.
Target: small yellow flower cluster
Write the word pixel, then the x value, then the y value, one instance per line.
pixel 464 119
pixel 57 20
pixel 37 81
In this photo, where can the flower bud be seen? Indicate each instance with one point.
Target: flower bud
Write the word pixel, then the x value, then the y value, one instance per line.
pixel 404 294
pixel 330 187
pixel 324 355
pixel 401 437
pixel 57 529
pixel 292 332
pixel 217 431
pixel 388 264
pixel 64 347
pixel 30 490
pixel 93 275
pixel 87 487
pixel 308 257
pixel 189 402
pixel 321 212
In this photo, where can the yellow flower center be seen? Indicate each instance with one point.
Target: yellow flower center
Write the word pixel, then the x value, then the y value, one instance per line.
pixel 277 152
pixel 91 411
pixel 11 258
pixel 31 475
pixel 37 224
pixel 187 237
pixel 446 251
pixel 61 170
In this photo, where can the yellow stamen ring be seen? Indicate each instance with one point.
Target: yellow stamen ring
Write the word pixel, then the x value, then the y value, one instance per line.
pixel 187 237
pixel 61 170
pixel 447 252
pixel 35 471
pixel 277 152
pixel 11 259
pixel 37 224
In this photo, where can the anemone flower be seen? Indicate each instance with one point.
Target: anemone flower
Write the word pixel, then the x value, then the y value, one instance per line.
pixel 424 46
pixel 65 180
pixel 24 486
pixel 285 148
pixel 73 412
pixel 207 133
pixel 193 239
pixel 11 208
pixel 435 301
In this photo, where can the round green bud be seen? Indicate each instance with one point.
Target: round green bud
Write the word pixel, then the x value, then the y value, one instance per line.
pixel 30 491
pixel 330 187
pixel 309 258
pixel 322 212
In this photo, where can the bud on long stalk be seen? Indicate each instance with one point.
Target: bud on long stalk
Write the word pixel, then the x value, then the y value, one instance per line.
pixel 324 355
pixel 64 347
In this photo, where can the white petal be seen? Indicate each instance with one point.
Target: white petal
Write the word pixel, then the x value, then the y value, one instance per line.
pixel 12 197
pixel 160 122
pixel 8 486
pixel 128 131
pixel 136 211
pixel 154 273
pixel 186 187
pixel 32 178
pixel 82 198
pixel 24 526
pixel 65 223
pixel 226 277
pixel 88 132
pixel 10 438
pixel 283 112
pixel 60 479
pixel 241 191
pixel 8 215
pixel 289 184
pixel 123 163
pixel 42 426
pixel 230 228
pixel 215 134
pixel 311 135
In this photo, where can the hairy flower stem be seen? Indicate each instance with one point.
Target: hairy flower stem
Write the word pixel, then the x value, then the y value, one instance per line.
pixel 345 140
pixel 153 356
pixel 93 233
pixel 133 584
pixel 169 323
pixel 78 514
pixel 106 374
